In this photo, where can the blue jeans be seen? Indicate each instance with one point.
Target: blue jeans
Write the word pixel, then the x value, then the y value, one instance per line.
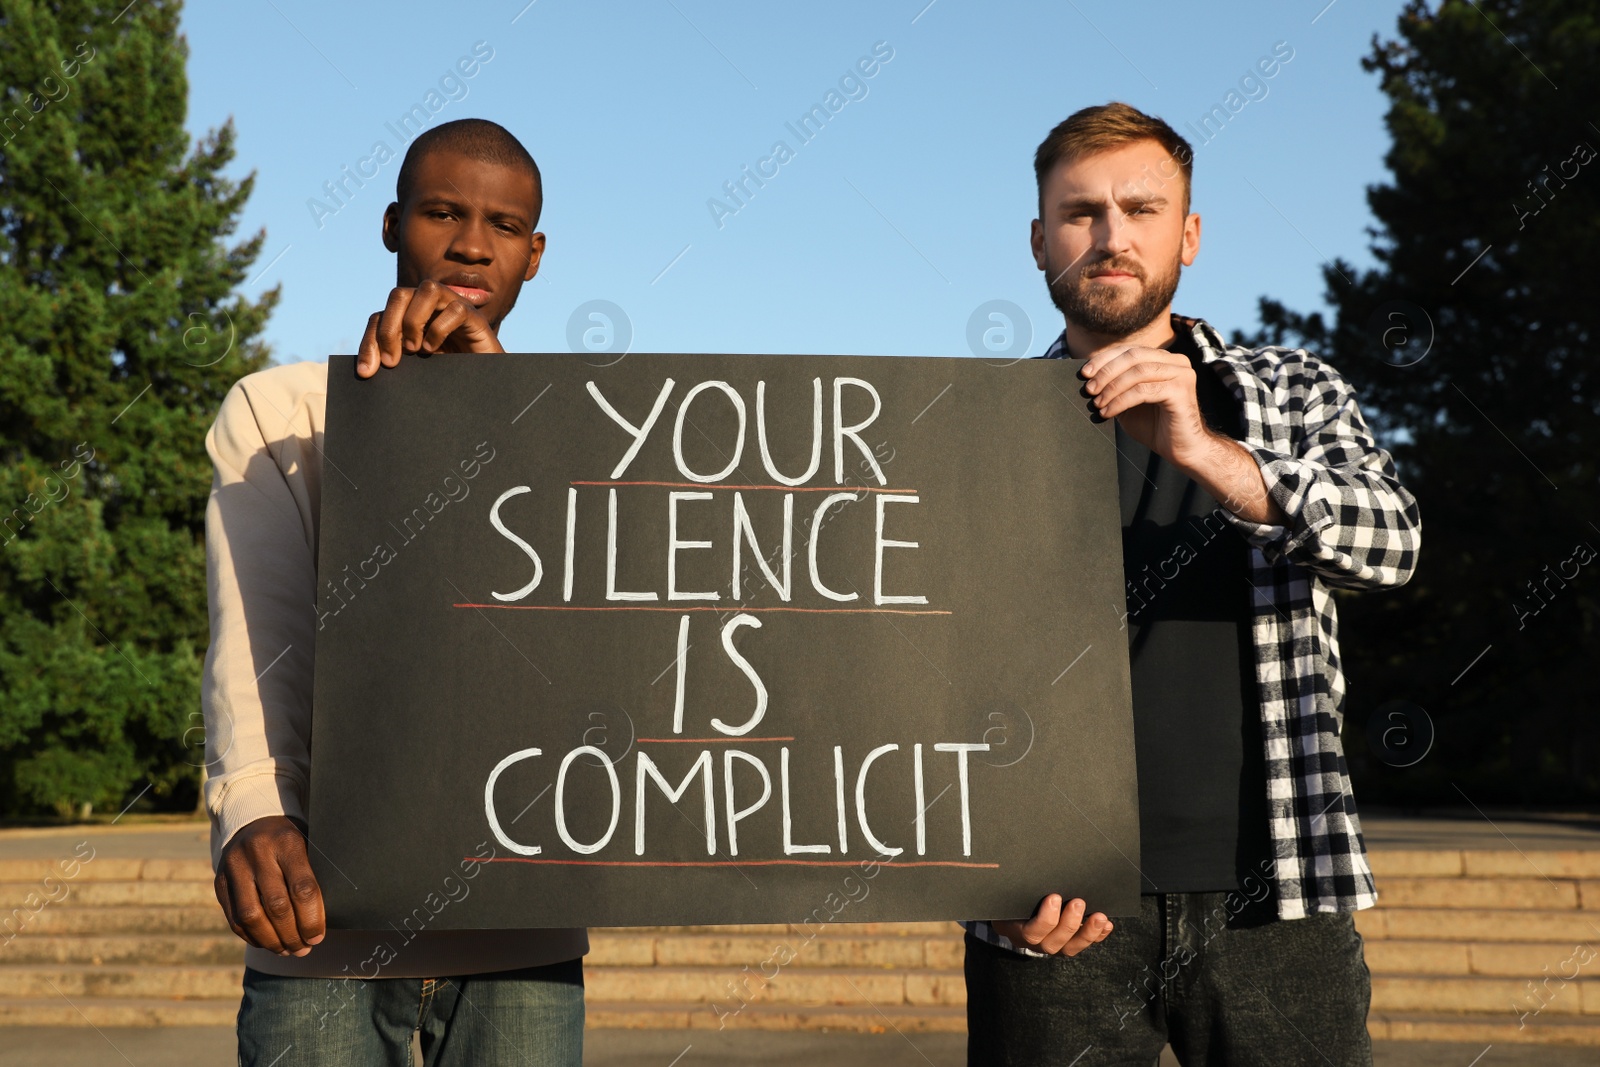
pixel 531 1017
pixel 1216 975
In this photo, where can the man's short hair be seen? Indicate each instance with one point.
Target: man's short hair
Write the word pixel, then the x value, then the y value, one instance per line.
pixel 1107 126
pixel 479 139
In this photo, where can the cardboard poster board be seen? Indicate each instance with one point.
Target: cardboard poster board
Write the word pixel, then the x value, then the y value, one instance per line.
pixel 699 639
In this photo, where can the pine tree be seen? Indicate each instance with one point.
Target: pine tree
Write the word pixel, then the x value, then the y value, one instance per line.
pixel 119 335
pixel 1487 244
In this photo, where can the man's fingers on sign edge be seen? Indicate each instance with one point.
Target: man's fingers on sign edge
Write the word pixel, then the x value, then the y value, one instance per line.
pixel 249 915
pixel 450 318
pixel 1102 368
pixel 1065 929
pixel 428 299
pixel 1146 370
pixel 390 323
pixel 1086 933
pixel 1044 919
pixel 367 355
pixel 299 908
pixel 305 895
pixel 277 904
pixel 1054 930
pixel 224 890
pixel 1033 930
pixel 1145 381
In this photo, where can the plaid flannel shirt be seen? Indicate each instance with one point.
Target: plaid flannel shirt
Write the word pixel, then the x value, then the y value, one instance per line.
pixel 1350 525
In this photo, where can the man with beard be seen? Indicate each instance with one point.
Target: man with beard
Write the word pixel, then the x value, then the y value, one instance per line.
pixel 1250 487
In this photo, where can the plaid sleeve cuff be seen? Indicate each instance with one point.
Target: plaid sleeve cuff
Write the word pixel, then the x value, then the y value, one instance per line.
pixel 1351 524
pixel 986 933
pixel 1289 486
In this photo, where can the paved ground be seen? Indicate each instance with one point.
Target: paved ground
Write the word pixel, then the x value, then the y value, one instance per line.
pixel 675 1048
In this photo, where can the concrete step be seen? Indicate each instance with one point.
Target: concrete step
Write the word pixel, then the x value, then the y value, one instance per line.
pixel 1460 893
pixel 1486 994
pixel 1506 959
pixel 34 896
pixel 1466 945
pixel 130 1011
pixel 619 1015
pixel 941 951
pixel 172 950
pixel 1510 893
pixel 1481 1028
pixel 64 920
pixel 791 986
pixel 732 955
pixel 1474 924
pixel 74 868
pixel 1485 1028
pixel 76 980
pixel 1484 863
pixel 904 929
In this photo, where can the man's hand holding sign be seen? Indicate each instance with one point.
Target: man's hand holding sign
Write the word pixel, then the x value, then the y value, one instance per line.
pixel 1151 393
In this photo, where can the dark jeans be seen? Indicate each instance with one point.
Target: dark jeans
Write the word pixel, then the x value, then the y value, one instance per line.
pixel 1217 976
pixel 532 1017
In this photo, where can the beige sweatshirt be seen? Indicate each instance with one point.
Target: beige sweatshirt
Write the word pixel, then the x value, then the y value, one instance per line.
pixel 261 580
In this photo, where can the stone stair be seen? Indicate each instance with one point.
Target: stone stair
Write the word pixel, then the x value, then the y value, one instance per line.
pixel 860 976
pixel 118 942
pixel 1490 945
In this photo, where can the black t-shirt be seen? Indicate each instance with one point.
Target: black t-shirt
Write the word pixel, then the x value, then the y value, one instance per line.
pixel 1197 723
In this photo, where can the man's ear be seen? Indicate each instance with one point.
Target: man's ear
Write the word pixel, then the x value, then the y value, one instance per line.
pixel 1191 239
pixel 535 254
pixel 391 227
pixel 1036 239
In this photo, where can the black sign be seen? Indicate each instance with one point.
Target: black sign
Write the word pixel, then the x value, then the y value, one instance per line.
pixel 718 639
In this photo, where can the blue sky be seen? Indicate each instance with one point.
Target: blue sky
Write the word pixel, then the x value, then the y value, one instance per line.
pixel 883 234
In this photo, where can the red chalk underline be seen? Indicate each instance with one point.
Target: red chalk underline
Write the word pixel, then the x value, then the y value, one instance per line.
pixel 704 740
pixel 779 488
pixel 732 608
pixel 730 863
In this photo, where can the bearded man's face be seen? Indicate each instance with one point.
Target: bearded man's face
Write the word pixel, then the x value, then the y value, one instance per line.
pixel 1113 237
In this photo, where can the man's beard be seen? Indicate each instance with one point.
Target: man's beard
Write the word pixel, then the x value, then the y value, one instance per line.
pixel 1105 309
